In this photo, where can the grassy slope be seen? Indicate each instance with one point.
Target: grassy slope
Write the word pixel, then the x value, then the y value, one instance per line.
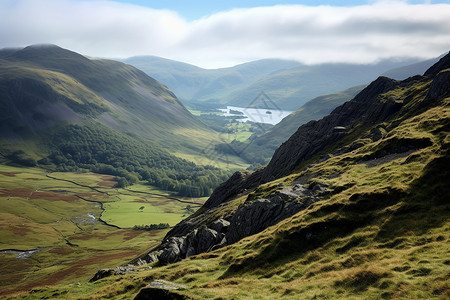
pixel 42 86
pixel 383 233
pixel 45 213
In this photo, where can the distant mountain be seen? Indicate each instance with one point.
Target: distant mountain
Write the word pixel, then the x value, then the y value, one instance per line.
pixel 60 108
pixel 289 84
pixel 194 85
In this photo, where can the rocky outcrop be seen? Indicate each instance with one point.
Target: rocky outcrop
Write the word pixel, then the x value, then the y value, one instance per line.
pixel 238 183
pixel 250 218
pixel 120 270
pixel 198 241
pixel 255 216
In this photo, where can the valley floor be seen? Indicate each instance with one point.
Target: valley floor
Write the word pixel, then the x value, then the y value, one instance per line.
pixel 58 228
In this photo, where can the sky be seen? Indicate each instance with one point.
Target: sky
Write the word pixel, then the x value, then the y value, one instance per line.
pixel 214 34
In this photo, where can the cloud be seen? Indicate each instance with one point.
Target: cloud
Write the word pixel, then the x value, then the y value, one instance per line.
pixel 365 33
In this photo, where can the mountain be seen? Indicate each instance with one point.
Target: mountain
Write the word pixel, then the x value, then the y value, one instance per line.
pixel 351 206
pixel 259 150
pixel 288 84
pixel 196 85
pixel 62 109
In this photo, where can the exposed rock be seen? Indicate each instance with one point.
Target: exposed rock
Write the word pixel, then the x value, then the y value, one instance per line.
pixel 255 216
pixel 370 108
pixel 166 285
pixel 162 290
pixel 221 225
pixel 172 250
pixel 102 274
pixel 201 240
pixel 237 183
pixel 250 218
pixel 152 257
pixel 120 270
pixel 442 64
pixel 140 262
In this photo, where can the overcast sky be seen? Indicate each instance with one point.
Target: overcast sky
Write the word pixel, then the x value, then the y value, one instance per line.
pixel 223 33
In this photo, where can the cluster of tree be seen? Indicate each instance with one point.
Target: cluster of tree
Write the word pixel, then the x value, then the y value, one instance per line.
pixel 21 158
pixel 130 158
pixel 151 226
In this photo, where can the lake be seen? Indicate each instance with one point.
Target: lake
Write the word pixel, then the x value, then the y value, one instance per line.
pixel 256 115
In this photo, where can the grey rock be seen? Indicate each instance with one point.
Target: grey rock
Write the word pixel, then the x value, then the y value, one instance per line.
pixel 220 225
pixel 161 290
pixel 166 285
pixel 140 262
pixel 255 216
pixel 152 256
pixel 102 274
pixel 172 250
pixel 238 183
pixel 120 270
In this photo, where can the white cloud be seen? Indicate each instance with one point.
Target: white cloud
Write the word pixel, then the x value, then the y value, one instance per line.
pixel 317 34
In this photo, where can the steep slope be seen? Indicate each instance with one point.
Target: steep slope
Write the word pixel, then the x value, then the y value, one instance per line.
pixel 364 194
pixel 140 102
pixel 64 110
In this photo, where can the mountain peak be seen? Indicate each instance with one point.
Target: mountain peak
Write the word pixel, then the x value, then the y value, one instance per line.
pixel 44 52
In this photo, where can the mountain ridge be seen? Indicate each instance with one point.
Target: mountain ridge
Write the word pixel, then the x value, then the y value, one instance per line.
pixel 288 83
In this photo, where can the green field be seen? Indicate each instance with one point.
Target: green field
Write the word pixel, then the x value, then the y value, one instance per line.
pixel 54 214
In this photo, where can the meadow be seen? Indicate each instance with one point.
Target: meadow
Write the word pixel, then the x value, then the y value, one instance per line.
pixel 58 228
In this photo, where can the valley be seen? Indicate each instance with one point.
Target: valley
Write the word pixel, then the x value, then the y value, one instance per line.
pixel 63 226
pixel 110 186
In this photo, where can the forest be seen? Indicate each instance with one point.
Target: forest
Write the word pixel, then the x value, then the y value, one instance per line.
pixel 97 148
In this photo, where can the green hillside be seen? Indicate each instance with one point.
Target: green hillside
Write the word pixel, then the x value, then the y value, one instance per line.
pixel 62 111
pixel 370 186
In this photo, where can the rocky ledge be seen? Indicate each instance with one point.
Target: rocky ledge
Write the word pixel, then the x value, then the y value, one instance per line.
pixel 251 217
